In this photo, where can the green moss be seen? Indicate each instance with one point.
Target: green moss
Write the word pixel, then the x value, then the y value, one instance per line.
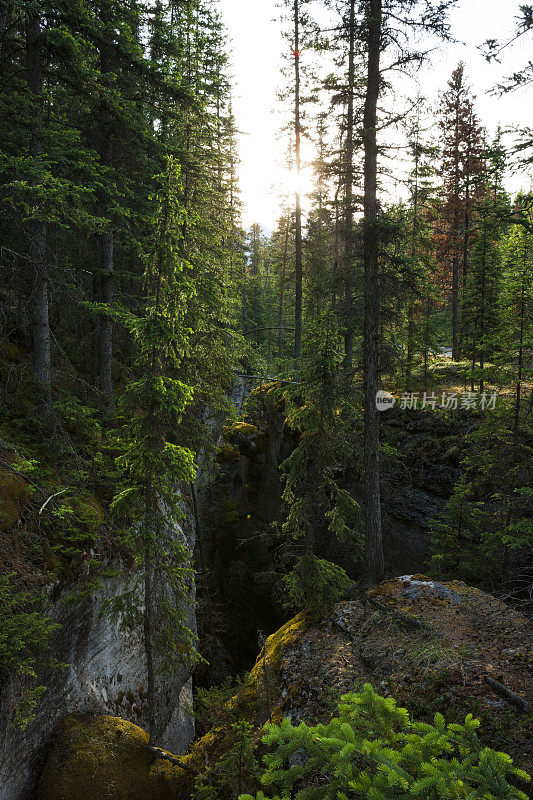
pixel 9 352
pixel 15 494
pixel 228 453
pixel 249 702
pixel 106 757
pixel 244 428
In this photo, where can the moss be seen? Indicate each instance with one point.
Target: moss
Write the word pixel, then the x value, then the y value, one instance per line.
pixel 249 702
pixel 266 388
pixel 244 428
pixel 9 352
pixel 90 509
pixel 15 494
pixel 227 453
pixel 106 757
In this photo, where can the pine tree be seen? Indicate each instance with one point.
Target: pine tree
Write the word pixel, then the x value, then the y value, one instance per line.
pixel 516 298
pixel 462 163
pixel 152 465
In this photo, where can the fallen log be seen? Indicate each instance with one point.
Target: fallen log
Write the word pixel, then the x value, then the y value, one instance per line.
pixel 513 697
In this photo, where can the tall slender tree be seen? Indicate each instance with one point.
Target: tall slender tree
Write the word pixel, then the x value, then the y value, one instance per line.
pixel 373 537
pixel 298 248
pixel 462 163
pixel 37 228
pixel 348 193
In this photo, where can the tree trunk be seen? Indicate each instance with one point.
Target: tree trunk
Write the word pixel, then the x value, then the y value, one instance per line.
pixel 106 282
pixel 282 289
pixel 414 232
pixel 426 342
pixel 373 537
pixel 348 216
pixel 516 426
pixel 298 270
pixel 37 233
pixel 455 255
pixel 105 333
pixel 466 246
pixel 455 308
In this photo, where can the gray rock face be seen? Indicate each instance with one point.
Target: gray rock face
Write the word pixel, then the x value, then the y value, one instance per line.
pixel 106 674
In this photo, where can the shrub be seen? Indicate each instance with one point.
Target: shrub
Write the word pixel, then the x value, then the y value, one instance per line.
pixel 373 749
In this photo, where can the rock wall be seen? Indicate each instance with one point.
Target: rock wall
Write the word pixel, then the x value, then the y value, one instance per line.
pixel 105 673
pixel 434 647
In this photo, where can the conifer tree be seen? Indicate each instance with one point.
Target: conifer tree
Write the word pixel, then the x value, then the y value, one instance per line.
pixel 516 298
pixel 462 163
pixel 152 465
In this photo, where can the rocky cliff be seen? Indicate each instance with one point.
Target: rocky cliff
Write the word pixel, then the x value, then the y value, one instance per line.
pixel 433 646
pixel 104 673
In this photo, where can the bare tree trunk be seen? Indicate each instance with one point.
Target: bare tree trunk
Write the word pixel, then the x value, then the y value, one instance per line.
pixel 282 288
pixel 148 638
pixel 37 232
pixel 298 269
pixel 373 537
pixel 466 252
pixel 426 343
pixel 455 308
pixel 516 426
pixel 414 232
pixel 348 216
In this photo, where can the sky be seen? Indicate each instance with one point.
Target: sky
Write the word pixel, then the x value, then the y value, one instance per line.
pixel 257 48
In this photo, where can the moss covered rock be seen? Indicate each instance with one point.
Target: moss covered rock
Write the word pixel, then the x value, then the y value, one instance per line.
pixel 15 494
pixel 431 645
pixel 240 428
pixel 106 757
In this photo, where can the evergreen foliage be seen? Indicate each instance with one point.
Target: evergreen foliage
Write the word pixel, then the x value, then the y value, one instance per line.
pixel 373 749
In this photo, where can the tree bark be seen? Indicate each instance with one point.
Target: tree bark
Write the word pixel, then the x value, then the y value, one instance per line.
pixel 348 216
pixel 106 279
pixel 148 631
pixel 105 332
pixel 37 231
pixel 373 536
pixel 414 233
pixel 455 256
pixel 282 289
pixel 516 425
pixel 298 268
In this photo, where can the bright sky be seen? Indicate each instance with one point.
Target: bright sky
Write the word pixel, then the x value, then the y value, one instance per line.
pixel 258 46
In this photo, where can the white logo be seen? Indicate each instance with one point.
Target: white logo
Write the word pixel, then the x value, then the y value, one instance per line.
pixel 384 400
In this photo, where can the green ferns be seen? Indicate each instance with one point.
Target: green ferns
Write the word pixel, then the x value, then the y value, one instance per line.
pixel 373 750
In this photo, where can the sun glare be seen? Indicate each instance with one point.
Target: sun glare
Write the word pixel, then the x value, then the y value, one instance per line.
pixel 291 183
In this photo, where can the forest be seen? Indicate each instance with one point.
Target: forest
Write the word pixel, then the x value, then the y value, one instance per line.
pixel 265 493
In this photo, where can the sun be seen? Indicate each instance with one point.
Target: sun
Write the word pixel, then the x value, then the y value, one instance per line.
pixel 292 184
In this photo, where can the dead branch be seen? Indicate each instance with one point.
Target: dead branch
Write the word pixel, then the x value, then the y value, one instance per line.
pixel 51 498
pixel 173 760
pixel 513 697
pixel 409 622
